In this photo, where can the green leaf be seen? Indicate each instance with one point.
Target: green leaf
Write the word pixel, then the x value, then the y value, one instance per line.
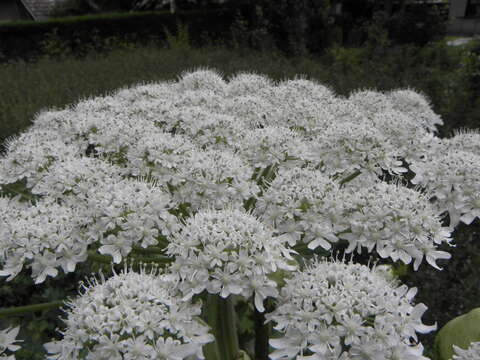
pixel 460 331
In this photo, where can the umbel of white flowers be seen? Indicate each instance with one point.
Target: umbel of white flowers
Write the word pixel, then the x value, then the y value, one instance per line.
pixel 228 252
pixel 131 316
pixel 336 310
pixel 227 181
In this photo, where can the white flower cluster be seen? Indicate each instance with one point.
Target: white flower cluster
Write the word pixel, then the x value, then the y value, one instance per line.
pixel 303 205
pixel 400 223
pixel 32 153
pixel 306 206
pixel 472 353
pixel 228 252
pixel 451 175
pixel 131 316
pixel 203 141
pixel 344 147
pixel 272 145
pixel 216 178
pixel 465 140
pixel 7 342
pixel 84 201
pixel 416 106
pixel 47 235
pixel 337 310
pixel 181 160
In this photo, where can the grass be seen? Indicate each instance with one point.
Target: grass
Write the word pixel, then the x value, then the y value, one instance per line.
pixel 27 88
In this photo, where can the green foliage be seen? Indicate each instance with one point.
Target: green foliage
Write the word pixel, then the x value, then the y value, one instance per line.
pixel 419 24
pixel 71 8
pixel 454 291
pixel 460 331
pixel 444 73
pixel 247 35
pixel 377 39
pixel 306 27
pixel 83 34
pixel 407 22
pixel 180 40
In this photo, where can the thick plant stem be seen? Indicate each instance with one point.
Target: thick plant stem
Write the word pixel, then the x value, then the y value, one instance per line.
pixel 20 310
pixel 221 317
pixel 262 335
pixel 107 259
pixel 210 350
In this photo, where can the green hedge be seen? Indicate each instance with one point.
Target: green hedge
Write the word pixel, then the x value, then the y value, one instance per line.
pixel 26 39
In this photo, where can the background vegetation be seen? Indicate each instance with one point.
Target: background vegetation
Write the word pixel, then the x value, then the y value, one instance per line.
pixel 67 69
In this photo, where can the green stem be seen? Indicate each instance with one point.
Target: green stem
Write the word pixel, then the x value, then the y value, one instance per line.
pixel 221 317
pixel 94 256
pixel 149 250
pixel 107 259
pixel 153 259
pixel 18 192
pixel 211 350
pixel 350 177
pixel 262 335
pixel 250 203
pixel 20 310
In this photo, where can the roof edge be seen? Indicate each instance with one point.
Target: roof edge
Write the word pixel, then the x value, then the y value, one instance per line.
pixel 29 10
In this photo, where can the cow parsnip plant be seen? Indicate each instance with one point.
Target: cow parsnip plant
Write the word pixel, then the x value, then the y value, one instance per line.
pixel 213 192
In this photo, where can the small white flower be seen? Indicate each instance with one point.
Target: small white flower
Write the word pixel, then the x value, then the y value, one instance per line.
pixel 7 342
pixel 452 177
pixel 131 316
pixel 302 205
pixel 202 79
pixel 398 222
pixel 228 252
pixel 336 310
pixel 417 106
pixel 216 178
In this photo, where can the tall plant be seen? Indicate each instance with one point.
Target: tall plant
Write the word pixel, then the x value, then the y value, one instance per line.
pixel 209 196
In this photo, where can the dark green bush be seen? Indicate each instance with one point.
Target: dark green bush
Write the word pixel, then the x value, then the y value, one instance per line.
pixel 454 290
pixel 298 27
pixel 26 40
pixel 419 24
pixel 407 23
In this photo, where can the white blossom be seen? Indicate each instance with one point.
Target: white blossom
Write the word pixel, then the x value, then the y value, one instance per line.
pixel 7 342
pixel 398 222
pixel 245 83
pixel 402 131
pixel 452 177
pixel 416 105
pixel 345 147
pixel 202 79
pixel 228 252
pixel 302 205
pixel 336 310
pixel 216 178
pixel 45 236
pixel 464 140
pixel 272 146
pixel 33 152
pixel 162 156
pixel 131 316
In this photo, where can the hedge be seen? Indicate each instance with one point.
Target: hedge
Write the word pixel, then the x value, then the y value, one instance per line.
pixel 25 39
